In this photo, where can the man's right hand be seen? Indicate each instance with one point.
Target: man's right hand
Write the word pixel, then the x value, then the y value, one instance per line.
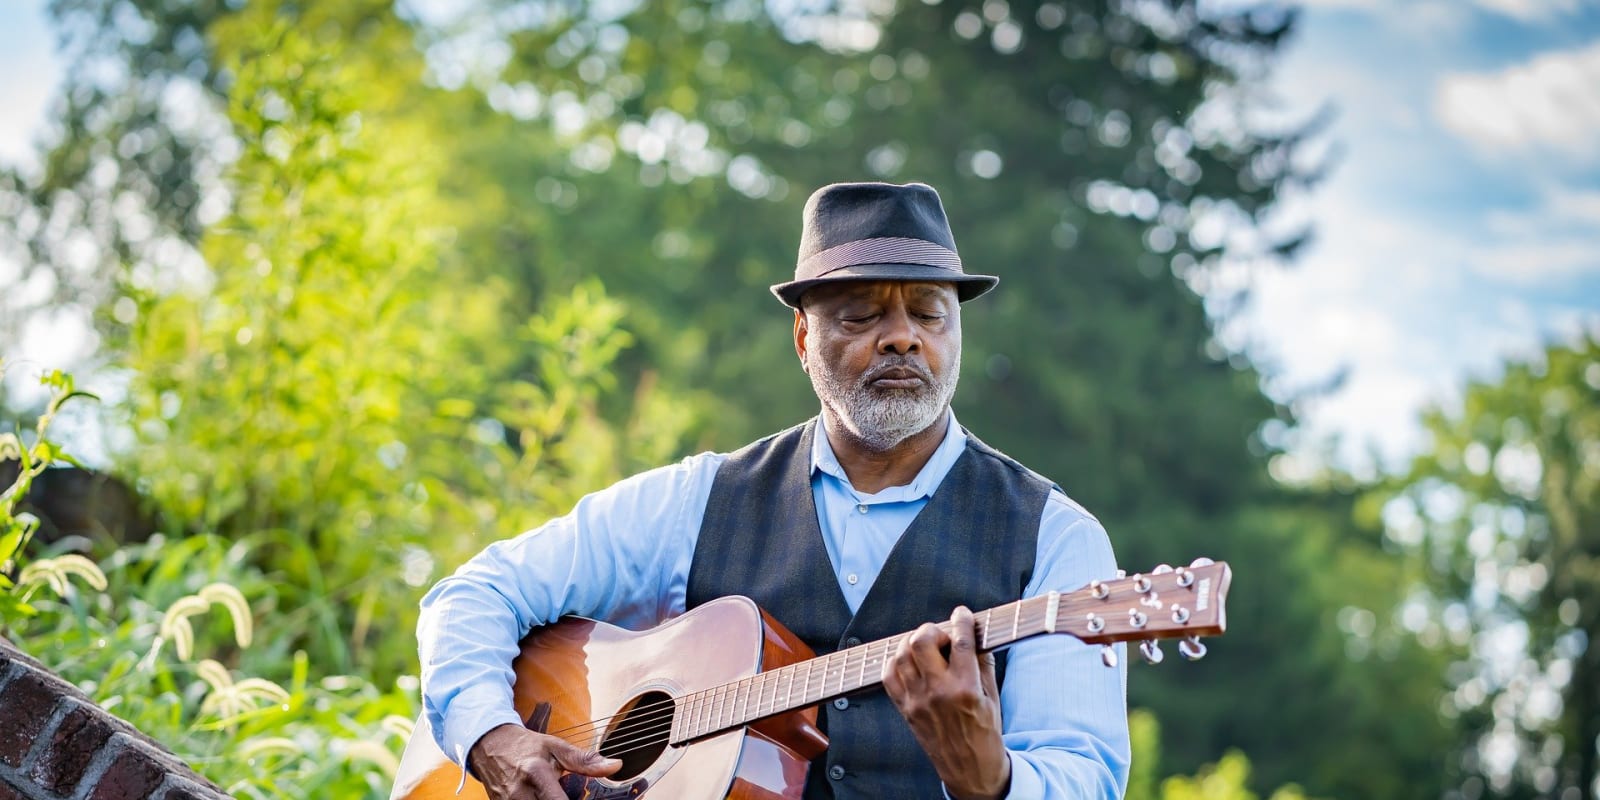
pixel 514 763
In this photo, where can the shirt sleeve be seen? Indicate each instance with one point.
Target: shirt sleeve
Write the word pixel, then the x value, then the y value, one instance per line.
pixel 621 555
pixel 1063 713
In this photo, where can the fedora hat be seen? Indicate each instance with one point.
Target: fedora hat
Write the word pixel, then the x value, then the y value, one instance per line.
pixel 876 232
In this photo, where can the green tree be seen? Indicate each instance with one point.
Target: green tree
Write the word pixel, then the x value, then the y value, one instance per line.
pixel 332 388
pixel 1502 519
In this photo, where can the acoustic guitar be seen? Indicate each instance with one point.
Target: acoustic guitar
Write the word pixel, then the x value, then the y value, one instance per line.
pixel 721 701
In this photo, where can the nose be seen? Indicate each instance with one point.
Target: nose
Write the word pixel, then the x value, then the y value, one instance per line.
pixel 900 335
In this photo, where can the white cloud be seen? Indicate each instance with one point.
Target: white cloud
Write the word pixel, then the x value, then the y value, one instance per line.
pixel 1537 263
pixel 1530 10
pixel 1550 103
pixel 1556 240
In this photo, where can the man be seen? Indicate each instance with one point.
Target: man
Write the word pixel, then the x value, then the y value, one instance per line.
pixel 880 515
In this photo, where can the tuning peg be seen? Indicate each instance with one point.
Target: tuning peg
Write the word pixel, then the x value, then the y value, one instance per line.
pixel 1161 569
pixel 1201 562
pixel 1108 655
pixel 1185 577
pixel 1190 647
pixel 1151 651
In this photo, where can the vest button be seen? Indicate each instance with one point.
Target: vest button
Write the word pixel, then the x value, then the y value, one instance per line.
pixel 841 704
pixel 852 642
pixel 836 772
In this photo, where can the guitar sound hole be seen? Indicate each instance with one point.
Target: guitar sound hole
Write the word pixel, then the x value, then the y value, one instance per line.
pixel 638 734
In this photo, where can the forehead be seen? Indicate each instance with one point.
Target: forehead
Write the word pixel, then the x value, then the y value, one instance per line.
pixel 849 291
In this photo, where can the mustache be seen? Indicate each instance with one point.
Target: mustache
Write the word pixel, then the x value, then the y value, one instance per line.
pixel 894 363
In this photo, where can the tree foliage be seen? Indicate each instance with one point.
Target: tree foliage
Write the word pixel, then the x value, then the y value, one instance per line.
pixel 1502 520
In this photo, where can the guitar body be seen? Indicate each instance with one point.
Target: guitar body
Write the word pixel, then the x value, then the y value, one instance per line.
pixel 578 671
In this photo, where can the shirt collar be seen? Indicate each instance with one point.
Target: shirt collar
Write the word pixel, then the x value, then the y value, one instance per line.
pixel 927 479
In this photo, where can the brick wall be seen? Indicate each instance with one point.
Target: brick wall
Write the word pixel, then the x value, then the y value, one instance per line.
pixel 55 744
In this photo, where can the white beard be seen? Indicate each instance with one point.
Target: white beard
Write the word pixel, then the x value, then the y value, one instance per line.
pixel 883 418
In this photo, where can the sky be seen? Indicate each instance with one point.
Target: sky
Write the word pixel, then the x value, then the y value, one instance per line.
pixel 1459 228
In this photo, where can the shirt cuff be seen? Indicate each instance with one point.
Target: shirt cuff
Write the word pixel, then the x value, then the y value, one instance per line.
pixel 1026 784
pixel 473 713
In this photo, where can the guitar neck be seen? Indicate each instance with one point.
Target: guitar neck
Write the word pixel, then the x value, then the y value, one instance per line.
pixel 847 671
pixel 1186 602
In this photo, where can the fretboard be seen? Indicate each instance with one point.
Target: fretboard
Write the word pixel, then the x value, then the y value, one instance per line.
pixel 850 670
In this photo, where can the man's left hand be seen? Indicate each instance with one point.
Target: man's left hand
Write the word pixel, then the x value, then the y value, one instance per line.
pixel 953 707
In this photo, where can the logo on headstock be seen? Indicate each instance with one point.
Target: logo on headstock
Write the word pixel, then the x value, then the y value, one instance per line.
pixel 1204 593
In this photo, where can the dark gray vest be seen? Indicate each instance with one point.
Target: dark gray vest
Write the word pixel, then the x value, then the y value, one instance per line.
pixel 974 543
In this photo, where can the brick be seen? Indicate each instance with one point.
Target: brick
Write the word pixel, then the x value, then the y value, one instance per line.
pixel 9 792
pixel 132 775
pixel 80 734
pixel 25 706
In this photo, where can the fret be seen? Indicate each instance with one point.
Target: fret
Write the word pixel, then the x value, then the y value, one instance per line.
pixel 738 702
pixel 767 704
pixel 982 621
pixel 1016 618
pixel 751 698
pixel 861 675
pixel 848 670
pixel 693 727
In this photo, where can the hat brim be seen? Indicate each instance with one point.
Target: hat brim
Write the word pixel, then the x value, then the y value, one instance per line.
pixel 967 285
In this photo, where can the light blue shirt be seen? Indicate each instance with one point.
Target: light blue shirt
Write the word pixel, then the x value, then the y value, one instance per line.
pixel 623 555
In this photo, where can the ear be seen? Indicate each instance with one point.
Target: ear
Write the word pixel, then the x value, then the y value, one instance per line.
pixel 800 338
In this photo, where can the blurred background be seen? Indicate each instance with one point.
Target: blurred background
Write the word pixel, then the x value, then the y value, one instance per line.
pixel 360 286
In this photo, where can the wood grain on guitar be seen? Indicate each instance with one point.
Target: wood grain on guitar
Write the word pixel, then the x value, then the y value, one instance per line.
pixel 721 702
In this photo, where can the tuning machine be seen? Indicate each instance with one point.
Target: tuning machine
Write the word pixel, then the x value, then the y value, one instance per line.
pixel 1190 647
pixel 1108 655
pixel 1151 651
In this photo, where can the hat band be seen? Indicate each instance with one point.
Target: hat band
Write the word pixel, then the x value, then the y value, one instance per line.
pixel 883 250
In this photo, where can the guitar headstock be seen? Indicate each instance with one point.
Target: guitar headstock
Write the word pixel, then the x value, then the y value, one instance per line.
pixel 1167 603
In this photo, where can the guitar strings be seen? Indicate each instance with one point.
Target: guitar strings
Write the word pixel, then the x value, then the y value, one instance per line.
pixel 887 645
pixel 651 724
pixel 654 730
pixel 744 684
pixel 645 726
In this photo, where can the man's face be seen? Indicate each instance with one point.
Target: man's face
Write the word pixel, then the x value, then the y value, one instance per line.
pixel 883 356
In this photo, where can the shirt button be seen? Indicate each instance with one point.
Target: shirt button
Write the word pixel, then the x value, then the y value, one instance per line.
pixel 841 704
pixel 851 579
pixel 836 772
pixel 862 508
pixel 852 642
